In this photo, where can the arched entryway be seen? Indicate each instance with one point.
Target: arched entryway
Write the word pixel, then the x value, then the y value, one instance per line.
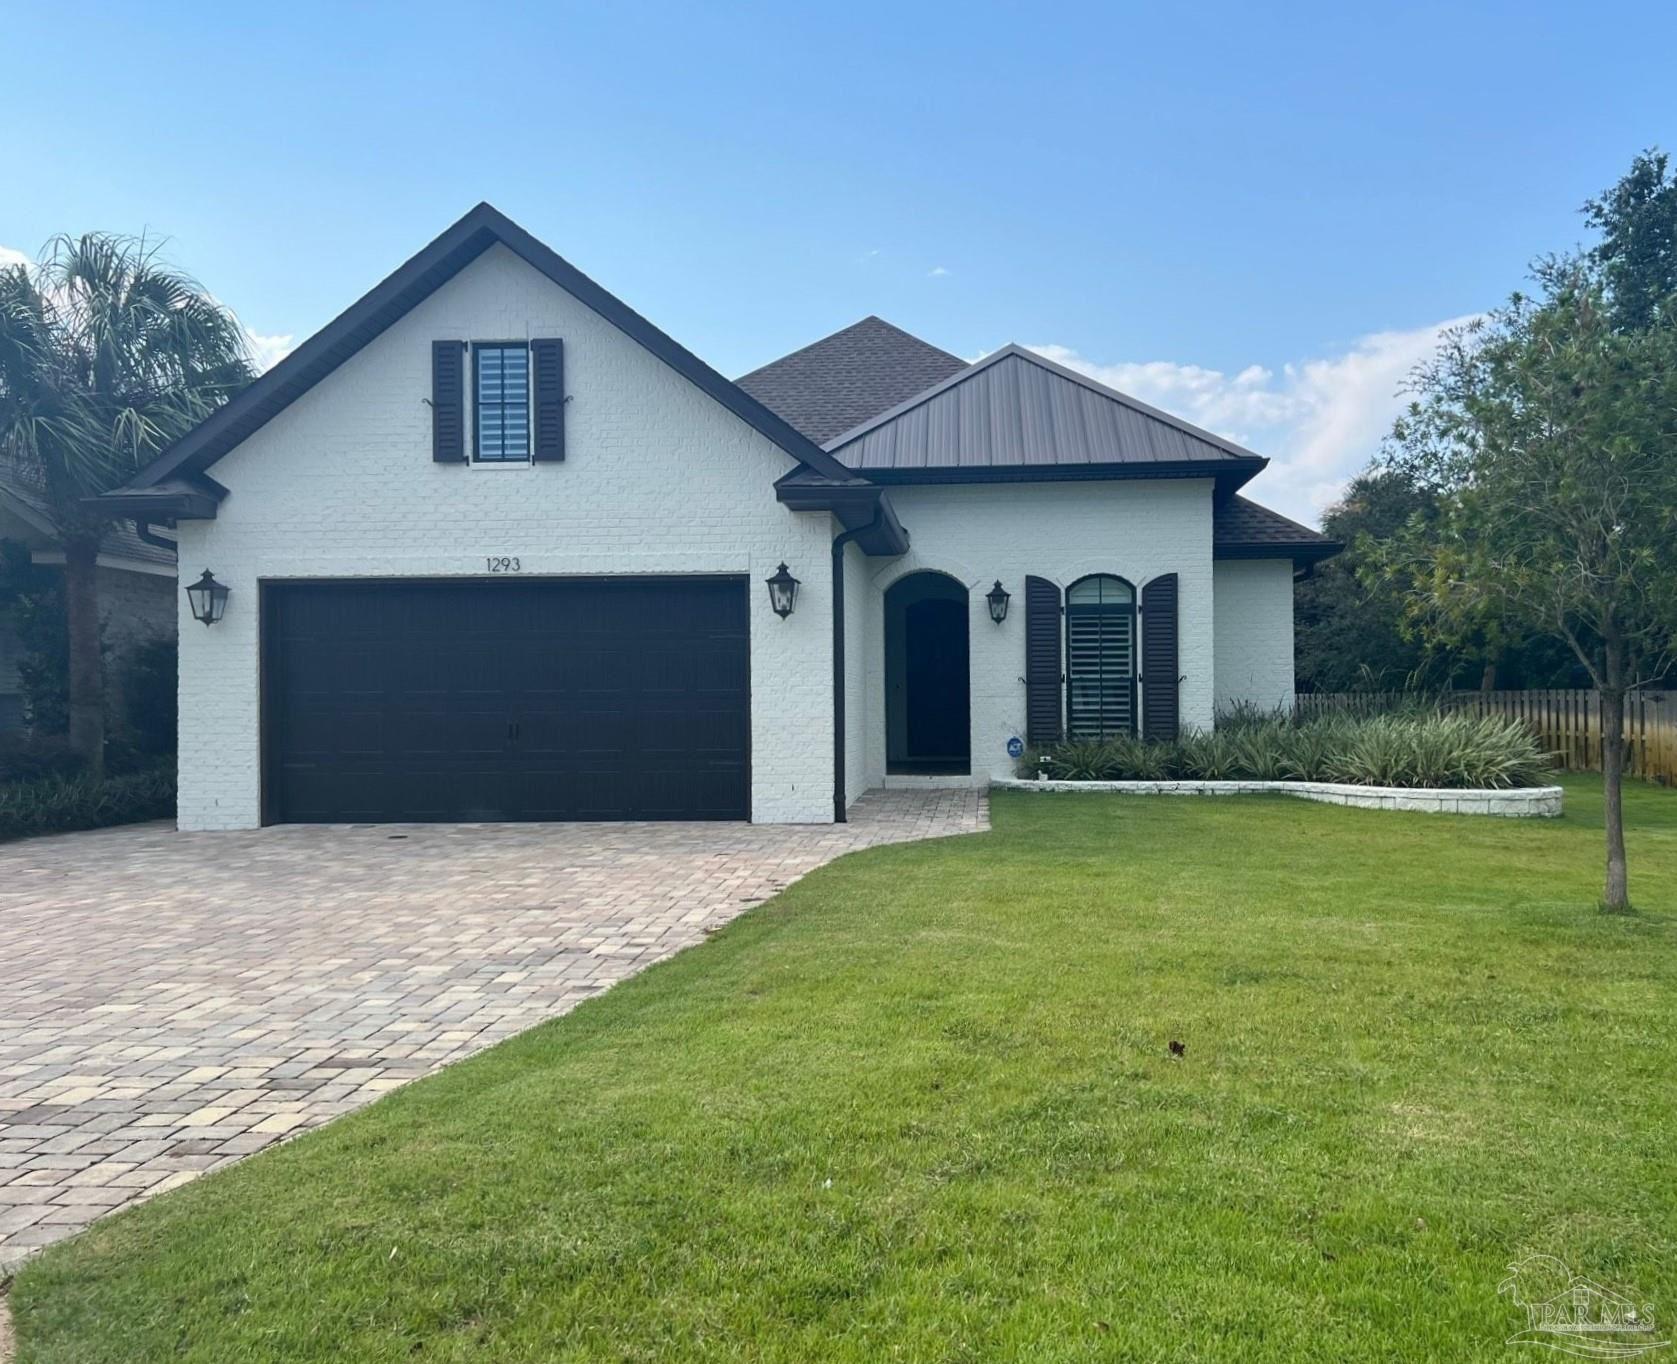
pixel 928 708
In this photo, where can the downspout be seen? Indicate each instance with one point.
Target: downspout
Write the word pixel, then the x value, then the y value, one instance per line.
pixel 839 542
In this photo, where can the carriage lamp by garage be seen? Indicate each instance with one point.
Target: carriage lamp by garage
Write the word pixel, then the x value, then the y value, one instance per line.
pixel 208 599
pixel 783 592
pixel 998 597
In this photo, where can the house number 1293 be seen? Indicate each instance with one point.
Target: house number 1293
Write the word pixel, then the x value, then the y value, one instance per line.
pixel 501 563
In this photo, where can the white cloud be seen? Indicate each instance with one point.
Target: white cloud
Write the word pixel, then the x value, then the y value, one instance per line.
pixel 1320 420
pixel 938 271
pixel 267 351
pixel 12 256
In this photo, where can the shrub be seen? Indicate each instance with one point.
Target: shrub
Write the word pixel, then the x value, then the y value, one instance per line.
pixel 1244 715
pixel 1123 758
pixel 148 680
pixel 25 757
pixel 59 804
pixel 1413 749
pixel 1262 752
pixel 1205 757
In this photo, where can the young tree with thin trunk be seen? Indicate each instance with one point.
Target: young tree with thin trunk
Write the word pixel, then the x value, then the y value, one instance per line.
pixel 106 357
pixel 1549 432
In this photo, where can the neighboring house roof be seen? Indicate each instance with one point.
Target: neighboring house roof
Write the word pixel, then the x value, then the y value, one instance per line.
pixel 1017 415
pixel 847 378
pixel 409 285
pixel 1241 529
pixel 31 506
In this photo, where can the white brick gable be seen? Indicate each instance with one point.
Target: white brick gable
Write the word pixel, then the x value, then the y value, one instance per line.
pixel 658 478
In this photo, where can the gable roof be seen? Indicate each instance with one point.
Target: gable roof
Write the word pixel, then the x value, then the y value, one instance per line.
pixel 400 292
pixel 843 380
pixel 1020 415
pixel 1242 529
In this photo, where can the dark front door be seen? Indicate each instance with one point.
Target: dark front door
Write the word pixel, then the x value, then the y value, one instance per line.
pixel 928 717
pixel 937 683
pixel 522 699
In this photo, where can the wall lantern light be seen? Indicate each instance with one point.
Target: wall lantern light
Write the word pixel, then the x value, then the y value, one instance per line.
pixel 208 599
pixel 998 597
pixel 783 592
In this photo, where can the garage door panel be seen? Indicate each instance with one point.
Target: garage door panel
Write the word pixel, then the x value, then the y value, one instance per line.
pixel 523 699
pixel 664 730
pixel 582 732
pixel 433 730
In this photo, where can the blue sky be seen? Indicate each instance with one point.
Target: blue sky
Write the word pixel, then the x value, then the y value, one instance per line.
pixel 1257 217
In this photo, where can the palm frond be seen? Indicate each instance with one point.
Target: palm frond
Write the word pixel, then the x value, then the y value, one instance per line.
pixel 107 356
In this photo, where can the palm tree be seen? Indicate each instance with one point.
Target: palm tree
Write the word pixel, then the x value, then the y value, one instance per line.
pixel 107 356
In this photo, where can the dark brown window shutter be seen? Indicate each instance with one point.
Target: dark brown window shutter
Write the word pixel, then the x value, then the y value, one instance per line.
pixel 1160 704
pixel 547 360
pixel 1042 663
pixel 448 402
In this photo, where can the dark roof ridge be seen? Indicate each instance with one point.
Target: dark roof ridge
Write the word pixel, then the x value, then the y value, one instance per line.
pixel 822 340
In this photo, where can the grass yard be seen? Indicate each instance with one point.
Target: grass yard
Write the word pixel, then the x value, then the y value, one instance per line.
pixel 923 1106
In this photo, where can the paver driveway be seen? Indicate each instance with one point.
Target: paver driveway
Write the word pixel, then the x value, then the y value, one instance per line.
pixel 171 1002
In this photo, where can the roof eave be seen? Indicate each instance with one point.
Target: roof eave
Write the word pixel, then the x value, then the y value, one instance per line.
pixel 855 505
pixel 177 500
pixel 1229 474
pixel 1299 551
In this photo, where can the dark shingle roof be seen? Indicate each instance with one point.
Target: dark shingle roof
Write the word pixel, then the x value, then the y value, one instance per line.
pixel 845 379
pixel 1241 529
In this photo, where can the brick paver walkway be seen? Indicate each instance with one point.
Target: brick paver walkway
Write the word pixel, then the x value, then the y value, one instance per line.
pixel 172 1002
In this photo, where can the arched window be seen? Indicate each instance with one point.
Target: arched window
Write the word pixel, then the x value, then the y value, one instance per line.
pixel 1100 658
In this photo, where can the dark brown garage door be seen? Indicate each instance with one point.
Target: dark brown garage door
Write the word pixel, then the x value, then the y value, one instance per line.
pixel 584 699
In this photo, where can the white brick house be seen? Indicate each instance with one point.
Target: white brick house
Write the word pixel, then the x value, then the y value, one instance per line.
pixel 497 548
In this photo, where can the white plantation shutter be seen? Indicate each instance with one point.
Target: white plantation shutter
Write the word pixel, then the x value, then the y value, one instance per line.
pixel 503 403
pixel 1100 658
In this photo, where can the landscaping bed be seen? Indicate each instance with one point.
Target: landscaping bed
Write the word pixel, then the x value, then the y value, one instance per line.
pixel 1422 752
pixel 64 801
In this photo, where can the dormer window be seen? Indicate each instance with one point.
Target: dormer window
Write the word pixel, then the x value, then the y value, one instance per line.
pixel 501 402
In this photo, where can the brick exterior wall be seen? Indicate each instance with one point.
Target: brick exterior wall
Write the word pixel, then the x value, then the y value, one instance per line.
pixel 658 478
pixel 976 533
pixel 1254 627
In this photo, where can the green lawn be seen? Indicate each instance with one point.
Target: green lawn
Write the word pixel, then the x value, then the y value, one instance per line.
pixel 922 1106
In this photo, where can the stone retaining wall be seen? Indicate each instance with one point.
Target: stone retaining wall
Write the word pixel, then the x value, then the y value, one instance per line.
pixel 1542 802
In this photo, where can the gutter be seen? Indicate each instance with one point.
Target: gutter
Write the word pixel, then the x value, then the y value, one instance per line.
pixel 839 543
pixel 144 532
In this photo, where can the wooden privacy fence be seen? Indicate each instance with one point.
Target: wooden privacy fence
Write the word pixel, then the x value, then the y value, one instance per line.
pixel 1568 723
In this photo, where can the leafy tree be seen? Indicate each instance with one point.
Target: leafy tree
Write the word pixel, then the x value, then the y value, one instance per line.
pixel 1354 626
pixel 107 355
pixel 1637 254
pixel 1549 434
pixel 1350 632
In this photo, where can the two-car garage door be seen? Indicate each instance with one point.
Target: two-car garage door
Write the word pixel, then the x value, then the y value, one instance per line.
pixel 506 699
